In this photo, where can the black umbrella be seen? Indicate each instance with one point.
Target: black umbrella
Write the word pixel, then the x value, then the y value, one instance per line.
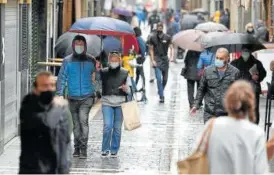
pixel 189 22
pixel 235 42
pixel 63 45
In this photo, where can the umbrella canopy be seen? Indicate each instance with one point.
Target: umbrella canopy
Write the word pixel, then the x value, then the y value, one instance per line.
pixel 211 27
pixel 63 46
pixel 121 11
pixel 102 26
pixel 200 10
pixel 235 42
pixel 189 22
pixel 187 40
pixel 207 38
pixel 111 43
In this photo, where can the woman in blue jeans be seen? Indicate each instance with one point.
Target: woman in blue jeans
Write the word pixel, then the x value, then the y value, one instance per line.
pixel 116 84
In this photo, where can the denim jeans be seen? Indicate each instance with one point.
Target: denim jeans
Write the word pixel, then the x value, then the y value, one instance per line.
pixel 161 77
pixel 80 113
pixel 113 119
pixel 133 89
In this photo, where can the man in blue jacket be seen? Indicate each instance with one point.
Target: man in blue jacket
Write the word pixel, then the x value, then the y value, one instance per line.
pixel 78 74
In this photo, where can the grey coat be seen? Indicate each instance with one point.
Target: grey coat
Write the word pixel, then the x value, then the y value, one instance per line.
pixel 191 61
pixel 212 88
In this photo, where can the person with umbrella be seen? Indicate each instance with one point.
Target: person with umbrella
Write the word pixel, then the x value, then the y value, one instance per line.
pixel 78 74
pixel 253 71
pixel 159 45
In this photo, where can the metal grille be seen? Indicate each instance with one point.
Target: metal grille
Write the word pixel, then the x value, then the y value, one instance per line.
pixel 24 45
pixel 35 53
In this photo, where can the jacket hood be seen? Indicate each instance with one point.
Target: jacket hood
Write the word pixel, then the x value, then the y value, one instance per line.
pixel 82 38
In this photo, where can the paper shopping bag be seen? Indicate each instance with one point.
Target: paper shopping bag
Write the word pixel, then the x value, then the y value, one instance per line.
pixel 131 114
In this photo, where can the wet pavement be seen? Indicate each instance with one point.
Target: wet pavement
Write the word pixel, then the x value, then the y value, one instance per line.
pixel 167 134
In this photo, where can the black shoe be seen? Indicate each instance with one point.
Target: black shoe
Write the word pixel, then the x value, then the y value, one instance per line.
pixel 83 154
pixel 113 155
pixel 162 99
pixel 104 154
pixel 151 81
pixel 76 152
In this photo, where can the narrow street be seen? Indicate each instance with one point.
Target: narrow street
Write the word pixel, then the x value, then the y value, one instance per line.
pixel 167 133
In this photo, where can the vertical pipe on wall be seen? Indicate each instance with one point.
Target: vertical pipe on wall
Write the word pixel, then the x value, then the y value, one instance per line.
pixel 77 9
pixel 2 76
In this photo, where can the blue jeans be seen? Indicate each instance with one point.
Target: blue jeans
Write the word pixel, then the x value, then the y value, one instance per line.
pixel 113 119
pixel 161 77
pixel 133 89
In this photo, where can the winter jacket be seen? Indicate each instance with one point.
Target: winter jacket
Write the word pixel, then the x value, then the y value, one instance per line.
pixel 206 58
pixel 213 87
pixel 191 61
pixel 244 68
pixel 77 75
pixel 45 137
pixel 261 31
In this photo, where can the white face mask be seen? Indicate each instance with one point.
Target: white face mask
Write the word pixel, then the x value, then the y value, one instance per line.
pixel 245 55
pixel 114 65
pixel 79 49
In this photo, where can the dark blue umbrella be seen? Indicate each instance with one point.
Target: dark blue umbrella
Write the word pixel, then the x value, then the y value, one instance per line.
pixel 112 44
pixel 121 11
pixel 102 26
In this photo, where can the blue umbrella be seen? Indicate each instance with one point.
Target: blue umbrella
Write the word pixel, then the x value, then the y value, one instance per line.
pixel 111 43
pixel 102 26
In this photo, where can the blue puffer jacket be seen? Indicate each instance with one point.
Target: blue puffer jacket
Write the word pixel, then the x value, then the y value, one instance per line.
pixel 77 76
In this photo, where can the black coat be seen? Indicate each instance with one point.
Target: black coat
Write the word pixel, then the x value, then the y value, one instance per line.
pixel 191 61
pixel 45 138
pixel 244 68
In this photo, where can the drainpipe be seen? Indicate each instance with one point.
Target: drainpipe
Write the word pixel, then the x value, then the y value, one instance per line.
pixel 77 9
pixel 60 17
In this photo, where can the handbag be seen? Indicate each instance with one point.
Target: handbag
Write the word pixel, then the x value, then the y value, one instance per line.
pixel 197 163
pixel 131 115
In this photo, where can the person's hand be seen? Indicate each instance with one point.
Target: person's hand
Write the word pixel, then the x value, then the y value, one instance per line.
pixel 255 77
pixel 193 111
pixel 123 88
pixel 154 64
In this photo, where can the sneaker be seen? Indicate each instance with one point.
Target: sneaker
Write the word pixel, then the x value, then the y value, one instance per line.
pixel 104 154
pixel 76 152
pixel 83 154
pixel 114 155
pixel 162 99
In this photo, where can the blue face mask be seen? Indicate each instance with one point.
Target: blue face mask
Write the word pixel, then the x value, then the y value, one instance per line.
pixel 219 63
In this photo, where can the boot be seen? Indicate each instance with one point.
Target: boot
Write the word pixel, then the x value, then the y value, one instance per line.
pixel 83 154
pixel 76 152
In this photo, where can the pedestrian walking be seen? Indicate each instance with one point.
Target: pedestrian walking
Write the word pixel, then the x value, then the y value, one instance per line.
pixel 141 57
pixel 236 145
pixel 159 45
pixel 190 74
pixel 213 85
pixel 151 69
pixel 261 31
pixel 206 59
pixel 45 130
pixel 78 73
pixel 153 20
pixel 249 29
pixel 253 71
pixel 224 19
pixel 116 84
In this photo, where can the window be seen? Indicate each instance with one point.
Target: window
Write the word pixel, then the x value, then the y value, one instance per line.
pixel 219 5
